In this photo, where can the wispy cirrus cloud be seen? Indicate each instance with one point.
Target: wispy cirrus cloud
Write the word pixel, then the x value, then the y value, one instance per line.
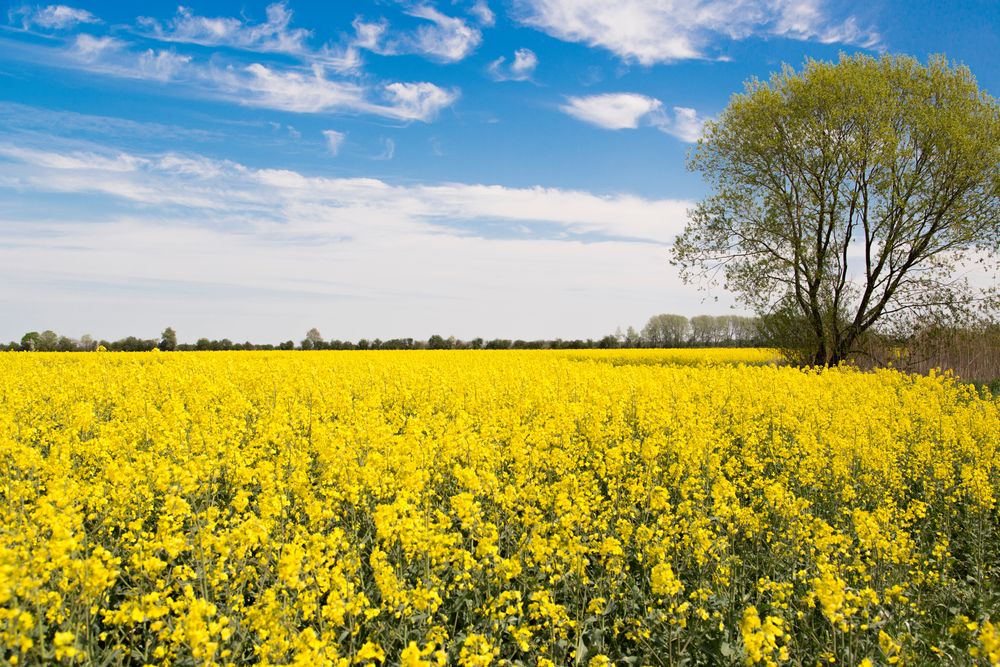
pixel 299 89
pixel 520 69
pixel 51 17
pixel 273 35
pixel 445 38
pixel 23 118
pixel 334 141
pixel 74 161
pixel 621 111
pixel 442 38
pixel 415 101
pixel 369 35
pixel 89 47
pixel 484 15
pixel 111 56
pixel 662 31
pixel 317 85
pixel 309 91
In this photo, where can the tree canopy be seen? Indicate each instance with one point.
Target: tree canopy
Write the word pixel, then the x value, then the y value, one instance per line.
pixel 848 196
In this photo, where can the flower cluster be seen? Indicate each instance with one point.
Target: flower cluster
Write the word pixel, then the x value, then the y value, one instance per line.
pixel 490 508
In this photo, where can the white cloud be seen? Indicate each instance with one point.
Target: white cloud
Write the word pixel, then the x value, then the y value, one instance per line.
pixel 74 161
pixel 449 39
pixel 805 20
pixel 685 123
pixel 107 55
pixel 274 35
pixel 444 38
pixel 622 111
pixel 657 31
pixel 296 89
pixel 525 62
pixel 312 92
pixel 334 140
pixel 341 59
pixel 612 111
pixel 370 34
pixel 197 166
pixel 291 90
pixel 186 179
pixel 161 65
pixel 416 101
pixel 52 17
pixel 304 88
pixel 481 10
pixel 90 48
pixel 259 253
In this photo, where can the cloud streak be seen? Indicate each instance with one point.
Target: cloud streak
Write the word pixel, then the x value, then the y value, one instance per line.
pixel 311 92
pixel 50 17
pixel 272 36
pixel 191 180
pixel 326 80
pixel 628 111
pixel 296 89
pixel 523 66
pixel 662 31
pixel 441 38
pixel 390 259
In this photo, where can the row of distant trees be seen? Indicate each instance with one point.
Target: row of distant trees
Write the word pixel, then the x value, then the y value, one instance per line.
pixel 669 330
pixel 50 341
pixel 665 330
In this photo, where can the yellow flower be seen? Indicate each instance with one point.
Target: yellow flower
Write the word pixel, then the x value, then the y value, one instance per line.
pixel 477 651
pixel 411 507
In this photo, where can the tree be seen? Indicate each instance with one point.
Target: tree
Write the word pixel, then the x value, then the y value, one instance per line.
pixel 313 340
pixel 708 330
pixel 665 330
pixel 29 341
pixel 48 341
pixel 632 338
pixel 437 342
pixel 168 340
pixel 846 197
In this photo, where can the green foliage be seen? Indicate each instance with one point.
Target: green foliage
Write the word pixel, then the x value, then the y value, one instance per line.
pixel 168 340
pixel 846 195
pixel 666 330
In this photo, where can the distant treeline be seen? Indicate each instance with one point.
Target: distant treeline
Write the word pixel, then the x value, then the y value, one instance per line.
pixel 660 331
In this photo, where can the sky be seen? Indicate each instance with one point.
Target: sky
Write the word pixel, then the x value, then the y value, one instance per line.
pixel 393 168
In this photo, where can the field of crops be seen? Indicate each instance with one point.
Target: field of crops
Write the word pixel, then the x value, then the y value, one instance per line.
pixel 477 508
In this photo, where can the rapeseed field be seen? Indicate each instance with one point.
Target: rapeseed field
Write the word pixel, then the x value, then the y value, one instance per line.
pixel 493 508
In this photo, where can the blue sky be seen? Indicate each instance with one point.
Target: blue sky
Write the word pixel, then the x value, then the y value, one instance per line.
pixel 498 168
